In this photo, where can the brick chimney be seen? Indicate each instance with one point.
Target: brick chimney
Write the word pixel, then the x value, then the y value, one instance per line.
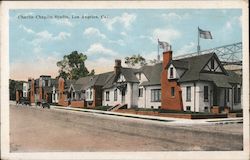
pixel 167 57
pixel 169 101
pixel 118 66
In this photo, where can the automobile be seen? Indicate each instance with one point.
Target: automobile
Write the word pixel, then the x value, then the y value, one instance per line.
pixel 24 101
pixel 45 104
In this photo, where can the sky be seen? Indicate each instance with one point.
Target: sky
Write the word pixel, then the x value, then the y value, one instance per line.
pixel 38 38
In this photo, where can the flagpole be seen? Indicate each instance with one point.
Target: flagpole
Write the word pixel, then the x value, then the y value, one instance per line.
pixel 198 47
pixel 158 56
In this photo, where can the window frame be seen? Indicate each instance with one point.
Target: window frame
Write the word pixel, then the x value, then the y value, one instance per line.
pixel 107 96
pixel 188 94
pixel 140 92
pixel 172 91
pixel 115 95
pixel 206 94
pixel 171 72
pixel 155 95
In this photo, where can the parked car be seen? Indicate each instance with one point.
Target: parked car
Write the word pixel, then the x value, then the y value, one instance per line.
pixel 24 101
pixel 45 104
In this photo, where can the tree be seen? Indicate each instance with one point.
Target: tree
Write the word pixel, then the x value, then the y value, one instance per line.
pixel 73 66
pixel 135 60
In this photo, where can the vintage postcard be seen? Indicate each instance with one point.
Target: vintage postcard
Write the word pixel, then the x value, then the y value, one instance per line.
pixel 125 80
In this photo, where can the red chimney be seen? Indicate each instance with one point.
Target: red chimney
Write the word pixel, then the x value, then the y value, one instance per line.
pixel 167 57
pixel 169 101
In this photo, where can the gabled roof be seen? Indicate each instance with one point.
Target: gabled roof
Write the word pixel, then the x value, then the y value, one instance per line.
pixel 153 74
pixel 128 73
pixel 182 64
pixel 197 63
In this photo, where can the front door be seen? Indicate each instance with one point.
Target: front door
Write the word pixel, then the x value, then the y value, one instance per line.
pixel 123 96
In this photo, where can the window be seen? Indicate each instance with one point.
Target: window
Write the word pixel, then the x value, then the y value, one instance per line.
pixel 227 95
pixel 107 95
pixel 140 92
pixel 212 63
pixel 205 93
pixel 155 95
pixel 188 94
pixel 172 91
pixel 115 95
pixel 188 108
pixel 237 95
pixel 171 72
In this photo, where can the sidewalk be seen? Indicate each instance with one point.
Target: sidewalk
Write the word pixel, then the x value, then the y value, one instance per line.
pixel 169 120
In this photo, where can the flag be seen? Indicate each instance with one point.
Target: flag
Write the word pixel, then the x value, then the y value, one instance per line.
pixel 163 45
pixel 205 34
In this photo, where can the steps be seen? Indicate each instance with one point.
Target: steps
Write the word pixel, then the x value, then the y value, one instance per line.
pixel 116 107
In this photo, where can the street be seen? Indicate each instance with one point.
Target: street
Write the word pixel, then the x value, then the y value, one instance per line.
pixel 37 130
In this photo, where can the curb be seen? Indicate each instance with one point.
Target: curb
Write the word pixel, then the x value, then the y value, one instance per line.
pixel 116 114
pixel 176 121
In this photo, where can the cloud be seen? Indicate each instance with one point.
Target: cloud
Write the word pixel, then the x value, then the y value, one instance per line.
pixel 62 22
pixel 229 25
pixel 45 36
pixel 167 35
pixel 124 20
pixel 173 16
pixel 124 34
pixel 188 48
pixel 119 42
pixel 28 30
pixel 98 48
pixel 62 36
pixel 93 32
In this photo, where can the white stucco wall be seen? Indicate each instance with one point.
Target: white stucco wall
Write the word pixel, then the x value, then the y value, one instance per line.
pixel 197 102
pixel 131 96
pixel 111 101
pixel 145 101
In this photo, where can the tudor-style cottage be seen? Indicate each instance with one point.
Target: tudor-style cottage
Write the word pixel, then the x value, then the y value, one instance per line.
pixel 121 89
pixel 198 83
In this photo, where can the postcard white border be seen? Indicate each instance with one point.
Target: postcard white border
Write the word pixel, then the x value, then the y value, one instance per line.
pixel 191 155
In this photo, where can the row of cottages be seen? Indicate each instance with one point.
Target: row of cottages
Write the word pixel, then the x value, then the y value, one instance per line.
pixel 191 84
pixel 84 92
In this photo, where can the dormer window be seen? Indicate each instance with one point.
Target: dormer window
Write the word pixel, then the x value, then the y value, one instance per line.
pixel 171 72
